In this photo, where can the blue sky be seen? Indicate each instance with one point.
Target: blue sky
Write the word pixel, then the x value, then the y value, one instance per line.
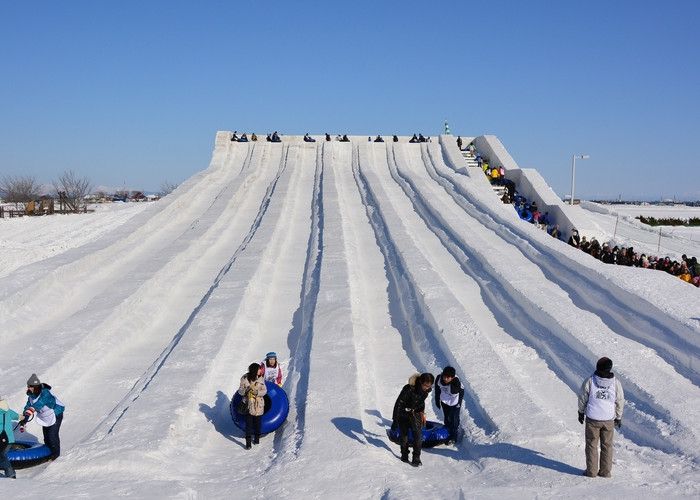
pixel 134 91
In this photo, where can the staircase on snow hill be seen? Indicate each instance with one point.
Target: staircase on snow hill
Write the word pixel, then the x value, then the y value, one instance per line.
pixel 470 159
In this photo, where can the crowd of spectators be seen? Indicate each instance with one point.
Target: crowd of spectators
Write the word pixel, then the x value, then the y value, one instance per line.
pixel 688 269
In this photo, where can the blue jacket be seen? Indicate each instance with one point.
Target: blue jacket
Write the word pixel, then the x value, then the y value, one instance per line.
pixel 9 416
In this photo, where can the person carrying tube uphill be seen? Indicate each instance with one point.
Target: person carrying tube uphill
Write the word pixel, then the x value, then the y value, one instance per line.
pixel 43 405
pixel 7 436
pixel 449 394
pixel 271 369
pixel 409 413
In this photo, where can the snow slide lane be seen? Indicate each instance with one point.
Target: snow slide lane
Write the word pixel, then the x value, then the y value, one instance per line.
pixel 498 261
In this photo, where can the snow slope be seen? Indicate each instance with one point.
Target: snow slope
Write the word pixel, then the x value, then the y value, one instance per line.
pixel 359 263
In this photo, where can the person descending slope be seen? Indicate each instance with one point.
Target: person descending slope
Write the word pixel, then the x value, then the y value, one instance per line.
pixel 409 413
pixel 449 394
pixel 600 402
pixel 271 368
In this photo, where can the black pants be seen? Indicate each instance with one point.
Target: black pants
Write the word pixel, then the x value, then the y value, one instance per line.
pixel 51 438
pixel 252 425
pixel 451 419
pixel 411 421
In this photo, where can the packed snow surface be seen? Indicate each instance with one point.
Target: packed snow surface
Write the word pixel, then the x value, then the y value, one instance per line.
pixel 359 264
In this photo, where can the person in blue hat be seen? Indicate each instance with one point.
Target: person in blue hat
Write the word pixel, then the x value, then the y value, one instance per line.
pixel 271 368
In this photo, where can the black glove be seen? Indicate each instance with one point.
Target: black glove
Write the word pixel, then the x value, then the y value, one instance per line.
pixel 580 418
pixel 394 426
pixel 618 422
pixel 437 403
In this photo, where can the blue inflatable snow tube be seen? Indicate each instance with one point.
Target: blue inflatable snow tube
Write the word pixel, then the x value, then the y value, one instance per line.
pixel 27 453
pixel 276 409
pixel 526 215
pixel 434 433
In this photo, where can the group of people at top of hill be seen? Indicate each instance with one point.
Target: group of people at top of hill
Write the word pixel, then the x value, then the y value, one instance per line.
pixel 688 269
pixel 43 407
pixel 274 137
pixel 600 406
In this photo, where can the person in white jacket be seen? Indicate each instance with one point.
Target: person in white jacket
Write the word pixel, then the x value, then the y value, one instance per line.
pixel 600 403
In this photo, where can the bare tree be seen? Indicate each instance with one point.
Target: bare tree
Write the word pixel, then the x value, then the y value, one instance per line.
pixel 19 189
pixel 166 188
pixel 71 190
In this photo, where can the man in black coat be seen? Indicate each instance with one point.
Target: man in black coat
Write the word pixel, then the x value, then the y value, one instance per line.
pixel 409 413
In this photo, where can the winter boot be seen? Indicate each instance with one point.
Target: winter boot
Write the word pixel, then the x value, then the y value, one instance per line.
pixel 247 443
pixel 404 457
pixel 416 462
pixel 256 439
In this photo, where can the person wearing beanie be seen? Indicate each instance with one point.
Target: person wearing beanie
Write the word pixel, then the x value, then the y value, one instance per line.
pixel 43 405
pixel 7 436
pixel 271 368
pixel 600 404
pixel 409 413
pixel 449 394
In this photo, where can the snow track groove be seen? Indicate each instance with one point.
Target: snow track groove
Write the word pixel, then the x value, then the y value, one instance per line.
pixel 196 344
pixel 78 279
pixel 625 314
pixel 81 331
pixel 142 385
pixel 538 324
pixel 300 336
pixel 153 314
pixel 409 313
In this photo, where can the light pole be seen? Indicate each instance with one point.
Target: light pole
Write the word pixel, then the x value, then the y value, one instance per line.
pixel 573 174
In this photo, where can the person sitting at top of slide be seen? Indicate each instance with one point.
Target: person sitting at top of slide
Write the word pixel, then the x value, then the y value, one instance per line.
pixel 271 369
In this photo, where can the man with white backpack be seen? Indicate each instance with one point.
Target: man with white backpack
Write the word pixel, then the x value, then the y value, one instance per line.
pixel 600 403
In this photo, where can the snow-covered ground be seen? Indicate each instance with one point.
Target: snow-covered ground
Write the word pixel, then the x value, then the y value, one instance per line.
pixel 621 226
pixel 24 240
pixel 359 263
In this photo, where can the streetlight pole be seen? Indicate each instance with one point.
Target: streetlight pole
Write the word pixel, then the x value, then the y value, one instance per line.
pixel 573 174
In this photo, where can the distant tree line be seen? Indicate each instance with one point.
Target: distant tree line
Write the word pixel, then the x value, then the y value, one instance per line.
pixel 669 221
pixel 69 188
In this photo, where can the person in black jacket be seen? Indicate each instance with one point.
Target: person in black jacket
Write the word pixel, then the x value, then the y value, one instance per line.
pixel 409 413
pixel 449 394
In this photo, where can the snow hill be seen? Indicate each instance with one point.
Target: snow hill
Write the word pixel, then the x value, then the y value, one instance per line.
pixel 358 263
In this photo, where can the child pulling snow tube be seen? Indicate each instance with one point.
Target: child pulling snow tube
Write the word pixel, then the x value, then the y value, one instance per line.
pixel 434 433
pixel 26 453
pixel 276 409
